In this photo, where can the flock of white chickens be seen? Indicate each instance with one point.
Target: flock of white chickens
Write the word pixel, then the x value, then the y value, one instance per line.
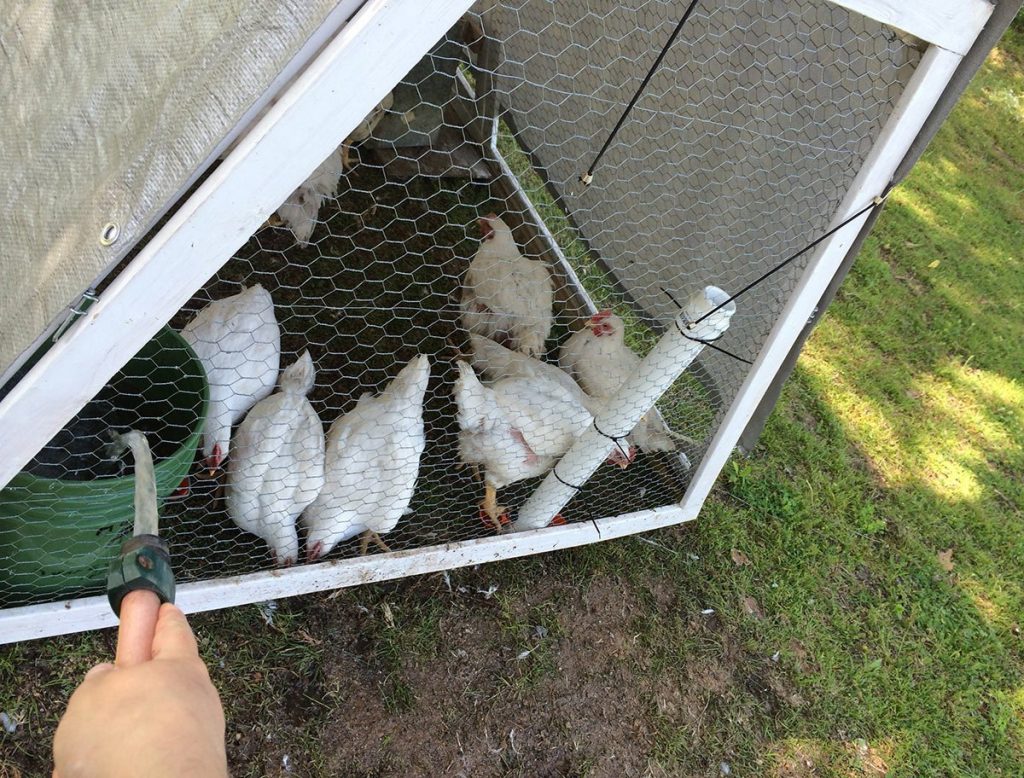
pixel 516 413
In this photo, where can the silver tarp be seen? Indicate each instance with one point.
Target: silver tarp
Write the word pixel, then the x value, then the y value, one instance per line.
pixel 109 108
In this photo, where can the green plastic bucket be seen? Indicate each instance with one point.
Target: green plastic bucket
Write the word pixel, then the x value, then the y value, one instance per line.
pixel 58 534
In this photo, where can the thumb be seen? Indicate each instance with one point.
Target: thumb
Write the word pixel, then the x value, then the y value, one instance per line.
pixel 173 638
pixel 101 669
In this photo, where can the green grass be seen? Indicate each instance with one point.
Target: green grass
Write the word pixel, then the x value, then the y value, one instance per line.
pixel 898 438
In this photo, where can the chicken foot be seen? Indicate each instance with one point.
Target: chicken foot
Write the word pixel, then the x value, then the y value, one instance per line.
pixel 491 509
pixel 364 542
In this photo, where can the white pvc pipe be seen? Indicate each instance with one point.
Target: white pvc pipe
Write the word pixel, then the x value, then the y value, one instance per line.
pixel 678 347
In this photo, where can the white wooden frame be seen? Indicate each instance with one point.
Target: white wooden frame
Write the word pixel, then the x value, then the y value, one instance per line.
pixel 314 115
pixel 923 91
pixel 950 24
pixel 273 158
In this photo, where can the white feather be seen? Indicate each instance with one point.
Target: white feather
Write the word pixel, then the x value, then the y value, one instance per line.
pixel 239 344
pixel 518 426
pixel 277 465
pixel 373 458
pixel 505 295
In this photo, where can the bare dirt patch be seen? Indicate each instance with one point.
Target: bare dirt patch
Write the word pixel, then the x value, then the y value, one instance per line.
pixel 572 705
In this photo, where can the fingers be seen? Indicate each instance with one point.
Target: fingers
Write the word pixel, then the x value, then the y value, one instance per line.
pixel 138 623
pixel 173 638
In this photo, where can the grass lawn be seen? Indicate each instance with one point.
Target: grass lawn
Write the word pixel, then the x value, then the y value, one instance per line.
pixel 850 602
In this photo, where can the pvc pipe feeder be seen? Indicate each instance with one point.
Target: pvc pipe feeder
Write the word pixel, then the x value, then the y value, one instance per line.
pixel 678 347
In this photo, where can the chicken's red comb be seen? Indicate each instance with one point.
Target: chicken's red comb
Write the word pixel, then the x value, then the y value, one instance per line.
pixel 601 315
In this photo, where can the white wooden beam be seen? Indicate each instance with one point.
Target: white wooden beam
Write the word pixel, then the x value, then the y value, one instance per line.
pixel 951 24
pixel 59 618
pixel 381 43
pixel 922 92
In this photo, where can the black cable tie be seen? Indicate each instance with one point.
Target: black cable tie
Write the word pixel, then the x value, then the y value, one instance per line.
pixel 876 202
pixel 612 438
pixel 668 294
pixel 721 350
pixel 563 482
pixel 587 177
pixel 710 343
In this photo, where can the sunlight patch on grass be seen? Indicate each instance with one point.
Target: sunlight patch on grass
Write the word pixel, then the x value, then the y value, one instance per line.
pixel 868 425
pixel 1009 100
pixel 994 387
pixel 942 428
pixel 923 205
pixel 948 478
pixel 982 600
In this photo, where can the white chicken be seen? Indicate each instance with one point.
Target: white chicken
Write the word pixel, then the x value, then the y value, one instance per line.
pixel 598 357
pixel 277 463
pixel 300 210
pixel 495 362
pixel 239 343
pixel 516 428
pixel 365 128
pixel 507 297
pixel 373 459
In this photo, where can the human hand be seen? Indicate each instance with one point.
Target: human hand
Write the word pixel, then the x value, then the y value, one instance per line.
pixel 157 718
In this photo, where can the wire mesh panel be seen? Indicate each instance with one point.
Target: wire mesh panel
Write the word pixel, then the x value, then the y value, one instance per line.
pixel 736 155
pixel 422 329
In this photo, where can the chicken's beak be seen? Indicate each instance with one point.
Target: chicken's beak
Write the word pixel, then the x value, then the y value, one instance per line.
pixel 313 553
pixel 486 230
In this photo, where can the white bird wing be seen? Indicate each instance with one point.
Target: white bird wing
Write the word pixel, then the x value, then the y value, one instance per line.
pixel 238 341
pixel 512 284
pixel 506 292
pixel 277 465
pixel 495 362
pixel 478 408
pixel 373 455
pixel 547 415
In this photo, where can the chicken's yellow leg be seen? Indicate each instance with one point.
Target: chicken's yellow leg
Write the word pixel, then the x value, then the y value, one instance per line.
pixel 491 508
pixel 364 542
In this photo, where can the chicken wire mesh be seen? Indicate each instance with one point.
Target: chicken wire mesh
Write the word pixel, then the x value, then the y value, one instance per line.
pixel 329 348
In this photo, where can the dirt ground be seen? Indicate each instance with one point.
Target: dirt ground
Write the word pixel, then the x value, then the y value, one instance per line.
pixel 563 677
pixel 551 666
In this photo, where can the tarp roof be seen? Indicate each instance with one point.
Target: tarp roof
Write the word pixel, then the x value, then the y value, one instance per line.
pixel 109 108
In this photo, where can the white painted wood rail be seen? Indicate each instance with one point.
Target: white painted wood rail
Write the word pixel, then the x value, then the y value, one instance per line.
pixel 951 24
pixel 64 616
pixel 310 120
pixel 922 92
